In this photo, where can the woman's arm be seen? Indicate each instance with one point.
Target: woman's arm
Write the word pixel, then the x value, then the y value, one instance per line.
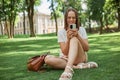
pixel 65 45
pixel 84 43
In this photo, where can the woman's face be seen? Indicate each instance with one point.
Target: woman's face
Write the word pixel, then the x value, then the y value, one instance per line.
pixel 71 18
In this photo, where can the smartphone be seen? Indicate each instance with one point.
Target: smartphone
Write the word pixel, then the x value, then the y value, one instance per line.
pixel 72 26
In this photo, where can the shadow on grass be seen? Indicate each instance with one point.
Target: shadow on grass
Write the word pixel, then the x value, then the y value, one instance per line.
pixel 29 45
pixel 15 53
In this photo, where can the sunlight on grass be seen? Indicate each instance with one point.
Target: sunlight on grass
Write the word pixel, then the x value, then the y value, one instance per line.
pixel 18 53
pixel 96 50
pixel 115 49
pixel 6 68
pixel 14 53
pixel 27 45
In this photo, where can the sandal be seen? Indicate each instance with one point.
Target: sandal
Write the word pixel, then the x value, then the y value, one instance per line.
pixel 87 65
pixel 67 74
pixel 80 65
pixel 92 65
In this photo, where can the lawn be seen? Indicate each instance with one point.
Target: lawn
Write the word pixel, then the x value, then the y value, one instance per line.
pixel 14 53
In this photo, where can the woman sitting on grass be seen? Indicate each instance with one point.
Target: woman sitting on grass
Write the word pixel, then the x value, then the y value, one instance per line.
pixel 73 45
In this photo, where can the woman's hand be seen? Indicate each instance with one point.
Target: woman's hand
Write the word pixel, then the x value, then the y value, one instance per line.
pixel 72 33
pixel 69 34
pixel 75 32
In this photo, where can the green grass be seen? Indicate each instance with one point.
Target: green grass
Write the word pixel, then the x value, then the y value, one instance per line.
pixel 14 53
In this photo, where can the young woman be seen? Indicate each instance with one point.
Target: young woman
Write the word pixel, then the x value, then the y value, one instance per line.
pixel 73 47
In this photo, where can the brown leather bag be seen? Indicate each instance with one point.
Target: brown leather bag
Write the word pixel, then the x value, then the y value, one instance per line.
pixel 36 62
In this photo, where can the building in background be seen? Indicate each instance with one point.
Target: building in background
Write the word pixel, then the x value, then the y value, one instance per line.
pixel 42 24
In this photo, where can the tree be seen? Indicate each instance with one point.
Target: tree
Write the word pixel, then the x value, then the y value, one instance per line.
pixel 115 4
pixel 23 9
pixel 30 9
pixel 10 8
pixel 1 17
pixel 4 15
pixel 88 15
pixel 55 8
pixel 109 15
pixel 12 16
pixel 96 8
pixel 1 27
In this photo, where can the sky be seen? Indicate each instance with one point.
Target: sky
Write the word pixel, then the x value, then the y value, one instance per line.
pixel 44 7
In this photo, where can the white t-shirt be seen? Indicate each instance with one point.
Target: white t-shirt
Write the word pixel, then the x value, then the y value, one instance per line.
pixel 62 35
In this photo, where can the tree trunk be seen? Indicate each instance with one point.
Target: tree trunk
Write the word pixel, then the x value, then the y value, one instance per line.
pixel 55 17
pixel 106 20
pixel 30 8
pixel 32 34
pixel 55 21
pixel 12 17
pixel 1 27
pixel 14 23
pixel 56 24
pixel 118 18
pixel 11 29
pixel 7 28
pixel 90 30
pixel 11 22
pixel 101 25
pixel 24 22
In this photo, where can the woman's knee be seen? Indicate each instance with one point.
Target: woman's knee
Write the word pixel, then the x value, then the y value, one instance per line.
pixel 74 40
pixel 49 59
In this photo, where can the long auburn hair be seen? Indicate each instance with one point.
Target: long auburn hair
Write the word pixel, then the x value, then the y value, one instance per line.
pixel 66 15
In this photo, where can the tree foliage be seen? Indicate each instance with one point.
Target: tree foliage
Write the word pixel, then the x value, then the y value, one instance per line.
pixel 104 12
pixel 9 9
pixel 115 6
pixel 55 7
pixel 96 10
